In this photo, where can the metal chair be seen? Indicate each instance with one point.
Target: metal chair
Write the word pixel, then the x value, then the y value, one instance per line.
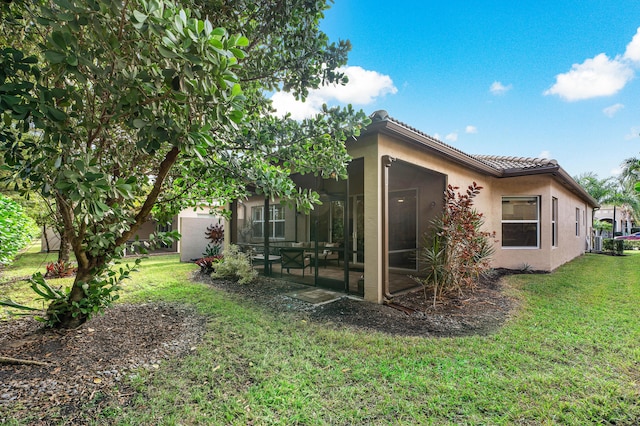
pixel 293 259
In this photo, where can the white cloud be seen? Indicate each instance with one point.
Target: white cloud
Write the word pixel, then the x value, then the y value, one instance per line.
pixel 498 88
pixel 471 129
pixel 545 154
pixel 633 133
pixel 610 111
pixel 599 76
pixel 452 137
pixel 633 48
pixel 363 88
pixel 284 103
pixel 437 136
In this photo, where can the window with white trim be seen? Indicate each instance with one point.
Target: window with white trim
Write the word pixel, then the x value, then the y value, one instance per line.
pixel 577 222
pixel 276 221
pixel 521 222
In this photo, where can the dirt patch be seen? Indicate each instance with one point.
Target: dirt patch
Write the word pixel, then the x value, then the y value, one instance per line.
pixel 90 366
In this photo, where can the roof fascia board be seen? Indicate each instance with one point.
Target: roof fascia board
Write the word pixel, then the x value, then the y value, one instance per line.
pixel 394 129
pixel 577 188
pixel 561 175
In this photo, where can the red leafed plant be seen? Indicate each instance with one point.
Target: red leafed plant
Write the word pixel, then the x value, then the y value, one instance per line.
pixel 60 269
pixel 207 264
pixel 457 250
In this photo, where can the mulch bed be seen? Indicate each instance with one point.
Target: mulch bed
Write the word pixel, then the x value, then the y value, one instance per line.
pixel 475 313
pixel 89 365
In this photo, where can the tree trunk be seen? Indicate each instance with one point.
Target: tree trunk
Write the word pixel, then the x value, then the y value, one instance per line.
pixel 66 318
pixel 46 238
pixel 64 254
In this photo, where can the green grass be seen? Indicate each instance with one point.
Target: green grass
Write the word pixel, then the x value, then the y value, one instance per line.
pixel 13 284
pixel 569 355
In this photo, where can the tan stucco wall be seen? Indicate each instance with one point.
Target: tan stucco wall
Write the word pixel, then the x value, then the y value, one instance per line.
pixel 489 202
pixel 54 241
pixel 193 241
pixel 245 217
pixel 623 218
pixel 456 175
pixel 367 149
pixel 143 233
pixel 546 257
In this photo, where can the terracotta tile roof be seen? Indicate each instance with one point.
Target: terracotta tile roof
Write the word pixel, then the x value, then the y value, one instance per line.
pixel 496 165
pixel 382 115
pixel 505 163
pixel 501 164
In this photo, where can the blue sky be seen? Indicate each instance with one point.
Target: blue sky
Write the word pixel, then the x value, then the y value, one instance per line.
pixel 553 79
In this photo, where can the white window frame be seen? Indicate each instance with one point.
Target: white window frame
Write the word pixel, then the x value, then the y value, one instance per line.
pixel 272 222
pixel 577 221
pixel 524 221
pixel 554 222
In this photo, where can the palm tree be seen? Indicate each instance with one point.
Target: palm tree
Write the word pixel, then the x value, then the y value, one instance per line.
pixel 600 189
pixel 622 197
pixel 613 191
pixel 630 183
pixel 630 171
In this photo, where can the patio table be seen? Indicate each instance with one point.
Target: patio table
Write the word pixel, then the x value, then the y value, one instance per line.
pixel 270 260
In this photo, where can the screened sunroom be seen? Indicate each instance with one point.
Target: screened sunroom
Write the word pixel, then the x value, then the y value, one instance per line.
pixel 327 247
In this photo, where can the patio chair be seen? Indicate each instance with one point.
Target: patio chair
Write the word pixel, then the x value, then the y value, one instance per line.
pixel 294 259
pixel 328 254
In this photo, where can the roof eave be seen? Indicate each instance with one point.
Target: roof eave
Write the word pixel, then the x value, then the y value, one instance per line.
pixel 576 187
pixel 394 129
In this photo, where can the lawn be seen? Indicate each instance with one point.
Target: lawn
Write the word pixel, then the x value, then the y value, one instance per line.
pixel 569 355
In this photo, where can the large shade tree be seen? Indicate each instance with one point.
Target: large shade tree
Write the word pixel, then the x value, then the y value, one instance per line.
pixel 146 104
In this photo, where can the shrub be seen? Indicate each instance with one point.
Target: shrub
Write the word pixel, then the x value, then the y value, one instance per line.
pixel 60 269
pixel 207 264
pixel 234 265
pixel 631 244
pixel 613 246
pixel 16 229
pixel 456 251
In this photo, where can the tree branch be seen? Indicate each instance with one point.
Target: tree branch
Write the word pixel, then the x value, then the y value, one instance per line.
pixel 169 160
pixel 19 361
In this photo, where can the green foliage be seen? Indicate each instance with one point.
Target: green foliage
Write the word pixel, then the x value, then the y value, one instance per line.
pixel 525 268
pixel 117 110
pixel 234 265
pixel 212 250
pixel 99 293
pixel 631 244
pixel 456 251
pixel 60 269
pixel 616 192
pixel 613 246
pixel 602 225
pixel 208 264
pixel 600 189
pixel 16 229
